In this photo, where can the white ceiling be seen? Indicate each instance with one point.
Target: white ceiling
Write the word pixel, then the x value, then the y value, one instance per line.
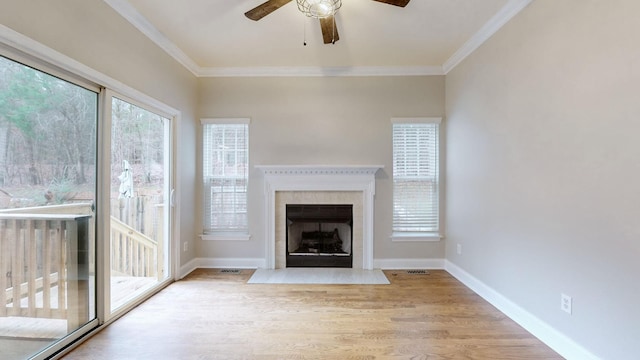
pixel 214 38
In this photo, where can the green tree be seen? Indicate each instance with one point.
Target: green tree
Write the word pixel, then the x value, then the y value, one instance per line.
pixel 22 99
pixel 47 128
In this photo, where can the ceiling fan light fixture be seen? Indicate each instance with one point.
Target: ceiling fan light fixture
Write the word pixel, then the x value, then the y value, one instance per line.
pixel 319 8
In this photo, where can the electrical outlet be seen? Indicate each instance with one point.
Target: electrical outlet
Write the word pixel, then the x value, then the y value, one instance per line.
pixel 459 249
pixel 185 246
pixel 565 303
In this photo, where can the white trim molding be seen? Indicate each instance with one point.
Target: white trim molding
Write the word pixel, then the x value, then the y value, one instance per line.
pixel 227 263
pixel 319 178
pixel 296 170
pixel 127 11
pixel 205 121
pixel 226 236
pixel 408 264
pixel 508 11
pixel 415 237
pixel 556 340
pixel 416 120
pixel 187 268
pixel 317 71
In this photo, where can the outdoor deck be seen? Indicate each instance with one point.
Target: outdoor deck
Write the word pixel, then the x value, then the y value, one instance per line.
pixel 48 290
pixel 21 337
pixel 122 287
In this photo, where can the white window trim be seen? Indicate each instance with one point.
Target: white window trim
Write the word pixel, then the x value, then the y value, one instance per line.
pixel 416 120
pixel 227 236
pixel 205 121
pixel 426 236
pixel 239 235
pixel 416 237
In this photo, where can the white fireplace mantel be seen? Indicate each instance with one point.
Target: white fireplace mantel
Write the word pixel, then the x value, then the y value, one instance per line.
pixel 320 178
pixel 286 170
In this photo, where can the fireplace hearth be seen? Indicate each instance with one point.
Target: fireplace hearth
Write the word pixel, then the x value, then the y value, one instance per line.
pixel 319 235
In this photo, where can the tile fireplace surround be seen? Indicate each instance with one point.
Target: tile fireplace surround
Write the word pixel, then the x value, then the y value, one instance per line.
pixel 319 184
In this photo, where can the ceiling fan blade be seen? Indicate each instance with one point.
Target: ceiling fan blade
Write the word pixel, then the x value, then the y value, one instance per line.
pixel 401 3
pixel 265 9
pixel 329 30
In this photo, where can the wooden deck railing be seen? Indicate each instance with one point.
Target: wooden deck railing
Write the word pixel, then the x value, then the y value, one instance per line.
pixel 45 262
pixel 133 253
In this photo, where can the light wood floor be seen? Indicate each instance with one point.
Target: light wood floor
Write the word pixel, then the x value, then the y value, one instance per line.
pixel 214 315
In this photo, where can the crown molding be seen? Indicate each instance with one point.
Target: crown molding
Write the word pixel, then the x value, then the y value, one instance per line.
pixel 508 11
pixel 313 71
pixel 126 10
pixel 136 19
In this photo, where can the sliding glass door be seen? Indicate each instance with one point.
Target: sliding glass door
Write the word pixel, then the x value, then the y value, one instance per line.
pixel 48 158
pixel 85 206
pixel 140 191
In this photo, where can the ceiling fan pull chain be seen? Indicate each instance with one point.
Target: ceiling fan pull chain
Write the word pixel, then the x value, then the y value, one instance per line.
pixel 304 31
pixel 333 37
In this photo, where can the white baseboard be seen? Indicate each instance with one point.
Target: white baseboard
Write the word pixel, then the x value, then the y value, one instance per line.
pixel 559 342
pixel 259 263
pixel 236 263
pixel 187 268
pixel 407 264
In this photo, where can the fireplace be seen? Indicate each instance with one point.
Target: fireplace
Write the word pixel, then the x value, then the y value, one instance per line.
pixel 320 185
pixel 319 235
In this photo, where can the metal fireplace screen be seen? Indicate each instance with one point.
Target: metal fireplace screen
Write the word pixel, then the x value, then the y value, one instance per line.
pixel 319 235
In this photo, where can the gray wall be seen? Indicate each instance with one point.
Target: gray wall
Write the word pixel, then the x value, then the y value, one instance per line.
pixel 326 121
pixel 543 171
pixel 92 33
pixel 542 149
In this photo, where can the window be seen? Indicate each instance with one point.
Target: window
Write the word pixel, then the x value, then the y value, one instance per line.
pixel 416 178
pixel 225 175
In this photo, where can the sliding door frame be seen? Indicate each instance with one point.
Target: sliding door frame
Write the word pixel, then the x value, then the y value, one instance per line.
pixel 23 49
pixel 105 189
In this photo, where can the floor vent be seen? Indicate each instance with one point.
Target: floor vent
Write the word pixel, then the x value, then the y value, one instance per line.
pixel 230 271
pixel 418 272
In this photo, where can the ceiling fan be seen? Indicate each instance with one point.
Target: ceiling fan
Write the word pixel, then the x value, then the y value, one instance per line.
pixel 323 10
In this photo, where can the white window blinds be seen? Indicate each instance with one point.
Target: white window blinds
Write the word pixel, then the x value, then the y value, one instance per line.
pixel 225 175
pixel 416 175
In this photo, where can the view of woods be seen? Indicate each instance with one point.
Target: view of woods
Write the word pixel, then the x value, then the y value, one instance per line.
pixel 47 141
pixel 138 139
pixel 47 138
pixel 49 171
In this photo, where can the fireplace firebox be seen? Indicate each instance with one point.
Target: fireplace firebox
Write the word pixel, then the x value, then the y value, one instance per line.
pixel 319 235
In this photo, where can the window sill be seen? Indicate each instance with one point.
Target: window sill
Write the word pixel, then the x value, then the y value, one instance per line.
pixel 226 237
pixel 416 237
